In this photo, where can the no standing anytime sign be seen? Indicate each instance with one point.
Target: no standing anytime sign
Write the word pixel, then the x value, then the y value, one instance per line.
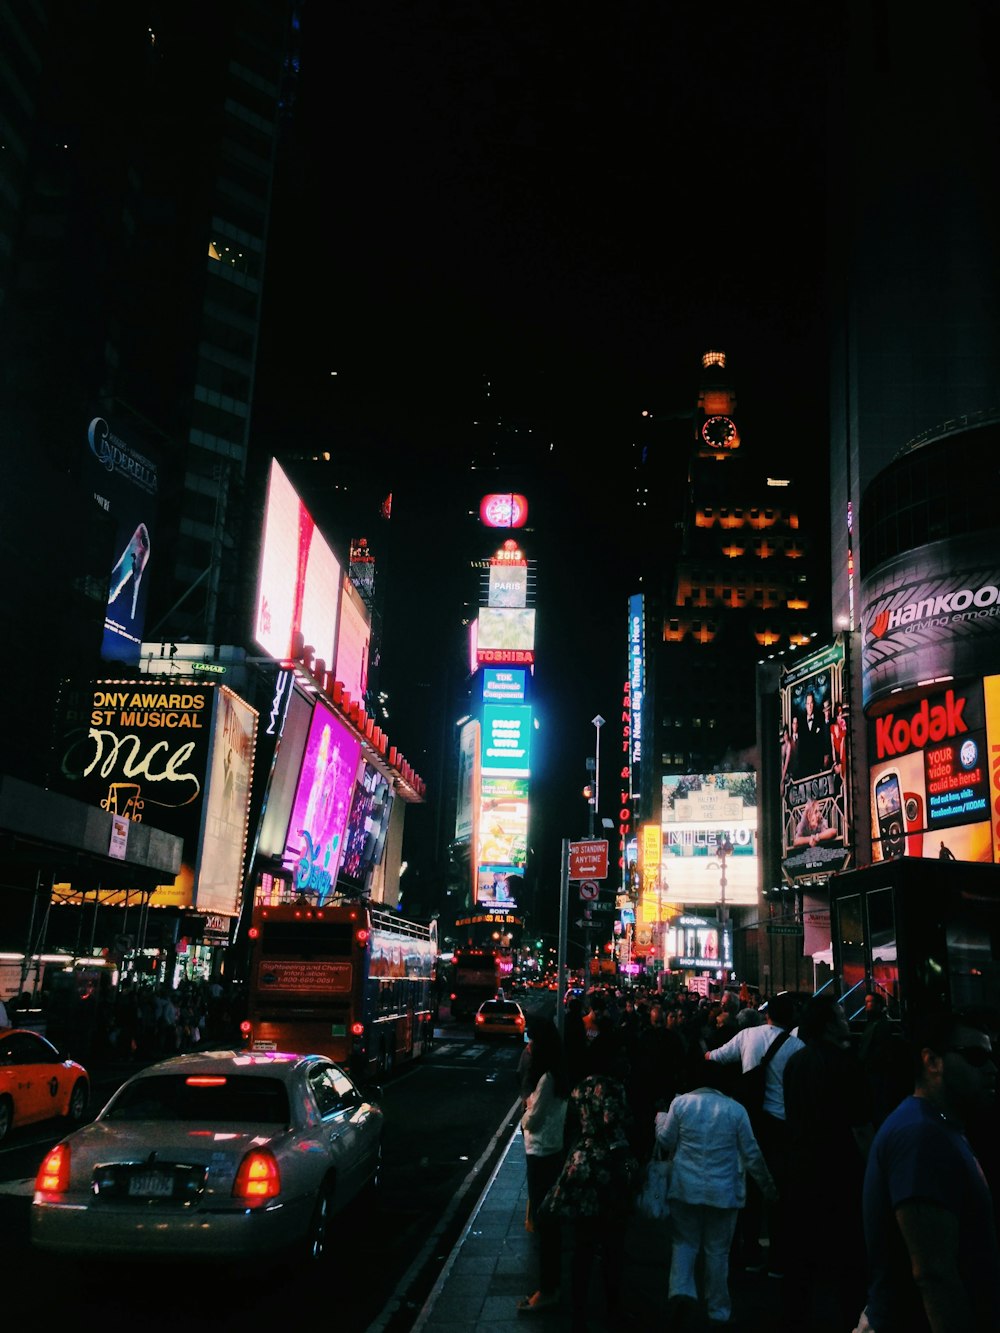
pixel 588 860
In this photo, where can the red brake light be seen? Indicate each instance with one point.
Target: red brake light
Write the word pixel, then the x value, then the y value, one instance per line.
pixel 53 1174
pixel 361 936
pixel 206 1081
pixel 258 1177
pixel 246 1027
pixel 253 933
pixel 357 1029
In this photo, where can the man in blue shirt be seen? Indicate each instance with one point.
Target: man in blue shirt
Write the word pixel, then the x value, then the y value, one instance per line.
pixel 928 1213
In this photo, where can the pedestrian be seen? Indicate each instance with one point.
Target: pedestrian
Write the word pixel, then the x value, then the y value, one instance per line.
pixel 929 1225
pixel 748 1048
pixel 826 1102
pixel 711 1144
pixel 593 1193
pixel 543 1127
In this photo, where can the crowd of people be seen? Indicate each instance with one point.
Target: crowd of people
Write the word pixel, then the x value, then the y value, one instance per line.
pixel 858 1169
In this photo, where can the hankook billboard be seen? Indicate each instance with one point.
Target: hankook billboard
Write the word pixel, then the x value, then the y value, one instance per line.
pixel 929 615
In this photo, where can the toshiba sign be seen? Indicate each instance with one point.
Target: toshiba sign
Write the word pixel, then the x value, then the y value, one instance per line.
pixel 930 615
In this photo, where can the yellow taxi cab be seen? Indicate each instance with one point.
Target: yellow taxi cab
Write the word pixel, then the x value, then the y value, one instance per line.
pixel 37 1082
pixel 500 1018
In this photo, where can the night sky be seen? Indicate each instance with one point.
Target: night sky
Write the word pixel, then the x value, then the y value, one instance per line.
pixel 574 202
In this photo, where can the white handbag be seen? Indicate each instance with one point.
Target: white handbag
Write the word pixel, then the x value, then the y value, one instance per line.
pixel 652 1202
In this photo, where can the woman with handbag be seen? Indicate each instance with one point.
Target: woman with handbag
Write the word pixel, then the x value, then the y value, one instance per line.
pixel 545 1086
pixel 708 1138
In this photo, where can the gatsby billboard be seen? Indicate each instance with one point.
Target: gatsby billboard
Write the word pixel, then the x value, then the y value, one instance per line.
pixel 815 768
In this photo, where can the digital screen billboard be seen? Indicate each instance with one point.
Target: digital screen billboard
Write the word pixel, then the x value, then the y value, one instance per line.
pixel 503 823
pixel 314 843
pixel 227 805
pixel 125 484
pixel 367 826
pixel 815 770
pixel 508 585
pixel 698 810
pixel 350 665
pixel 929 768
pixel 505 635
pixel 507 739
pixel 496 889
pixel 468 780
pixel 298 587
pixel 500 686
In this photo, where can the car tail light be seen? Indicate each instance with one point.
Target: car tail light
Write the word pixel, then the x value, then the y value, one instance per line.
pixel 480 1018
pixel 258 1177
pixel 357 1029
pixel 53 1174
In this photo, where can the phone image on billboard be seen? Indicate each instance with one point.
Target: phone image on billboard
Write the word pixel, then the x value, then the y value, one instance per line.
pixel 889 814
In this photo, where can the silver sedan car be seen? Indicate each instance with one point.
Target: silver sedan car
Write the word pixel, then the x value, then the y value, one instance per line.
pixel 217 1155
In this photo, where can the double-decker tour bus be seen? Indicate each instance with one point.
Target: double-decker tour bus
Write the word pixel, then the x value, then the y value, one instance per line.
pixel 348 980
pixel 477 975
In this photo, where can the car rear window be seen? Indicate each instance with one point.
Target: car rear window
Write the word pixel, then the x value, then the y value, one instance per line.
pixel 239 1100
pixel 495 1009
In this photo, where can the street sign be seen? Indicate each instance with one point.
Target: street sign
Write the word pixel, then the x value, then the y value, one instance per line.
pixel 589 889
pixel 588 860
pixel 783 930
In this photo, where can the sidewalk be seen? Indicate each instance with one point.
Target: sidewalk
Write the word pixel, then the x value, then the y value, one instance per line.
pixel 494 1264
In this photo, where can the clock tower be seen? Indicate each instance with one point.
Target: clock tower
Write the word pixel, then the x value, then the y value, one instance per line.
pixel 716 431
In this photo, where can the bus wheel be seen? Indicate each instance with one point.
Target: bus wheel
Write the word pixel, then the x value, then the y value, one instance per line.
pixel 318 1235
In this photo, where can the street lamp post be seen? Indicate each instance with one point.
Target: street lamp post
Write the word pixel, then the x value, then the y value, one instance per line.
pixel 598 722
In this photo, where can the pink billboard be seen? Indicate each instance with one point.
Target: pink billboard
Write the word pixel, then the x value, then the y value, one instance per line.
pixel 298 589
pixel 314 845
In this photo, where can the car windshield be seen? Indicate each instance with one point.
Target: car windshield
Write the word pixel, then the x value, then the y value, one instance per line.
pixel 234 1100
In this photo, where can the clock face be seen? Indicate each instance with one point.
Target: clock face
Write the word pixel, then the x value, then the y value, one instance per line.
pixel 719 432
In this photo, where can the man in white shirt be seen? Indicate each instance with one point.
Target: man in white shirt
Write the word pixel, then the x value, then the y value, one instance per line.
pixel 748 1047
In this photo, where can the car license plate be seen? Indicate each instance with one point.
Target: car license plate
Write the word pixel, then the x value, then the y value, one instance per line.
pixel 151 1185
pixel 262 1045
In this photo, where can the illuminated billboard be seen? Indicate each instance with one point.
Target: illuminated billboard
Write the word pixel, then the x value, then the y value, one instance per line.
pixel 506 745
pixel 929 768
pixel 506 510
pixel 468 781
pixel 930 614
pixel 140 749
pixel 503 823
pixel 815 771
pixel 508 585
pixel 367 826
pixel 506 635
pixel 350 665
pixel 298 587
pixel 124 484
pixel 226 805
pixel 637 687
pixel 698 811
pixel 503 686
pixel 496 888
pixel 314 842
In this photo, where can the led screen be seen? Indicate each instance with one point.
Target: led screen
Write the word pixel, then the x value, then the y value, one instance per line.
pixel 511 628
pixel 314 843
pixel 468 781
pixel 503 823
pixel 298 590
pixel 506 739
pixel 815 768
pixel 508 585
pixel 227 805
pixel 124 484
pixel 353 639
pixel 698 810
pixel 929 767
pixel 367 825
pixel 501 686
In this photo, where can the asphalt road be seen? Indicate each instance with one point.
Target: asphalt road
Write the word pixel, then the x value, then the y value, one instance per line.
pixel 447 1119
